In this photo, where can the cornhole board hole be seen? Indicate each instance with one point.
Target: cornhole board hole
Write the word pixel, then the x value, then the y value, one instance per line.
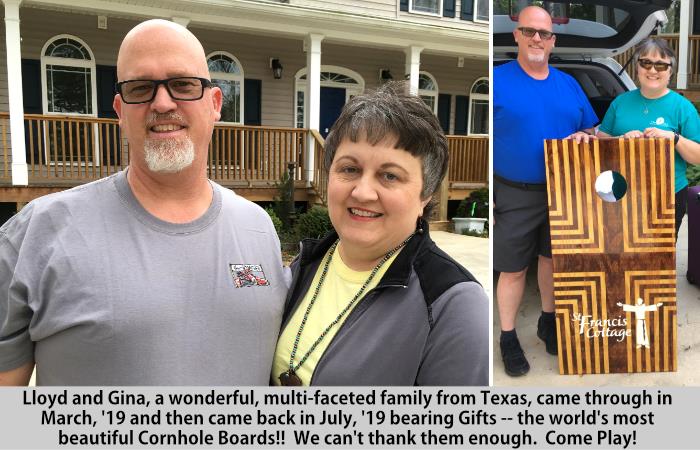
pixel 613 250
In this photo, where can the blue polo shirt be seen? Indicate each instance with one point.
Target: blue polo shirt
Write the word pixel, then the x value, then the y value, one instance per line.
pixel 527 111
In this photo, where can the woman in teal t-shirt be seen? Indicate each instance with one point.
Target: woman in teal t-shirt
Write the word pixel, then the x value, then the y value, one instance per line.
pixel 654 110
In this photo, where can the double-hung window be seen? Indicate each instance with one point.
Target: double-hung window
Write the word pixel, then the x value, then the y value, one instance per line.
pixel 479 107
pixel 433 7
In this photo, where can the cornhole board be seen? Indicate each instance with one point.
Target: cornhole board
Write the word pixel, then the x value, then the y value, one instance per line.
pixel 608 255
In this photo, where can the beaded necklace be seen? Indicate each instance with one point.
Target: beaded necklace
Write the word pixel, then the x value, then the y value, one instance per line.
pixel 289 377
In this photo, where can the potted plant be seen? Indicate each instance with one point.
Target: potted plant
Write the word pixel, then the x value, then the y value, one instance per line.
pixel 472 212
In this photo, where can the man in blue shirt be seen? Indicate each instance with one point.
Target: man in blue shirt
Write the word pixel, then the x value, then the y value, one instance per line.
pixel 532 102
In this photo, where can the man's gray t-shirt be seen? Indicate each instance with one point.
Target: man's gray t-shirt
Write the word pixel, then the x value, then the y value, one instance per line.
pixel 99 292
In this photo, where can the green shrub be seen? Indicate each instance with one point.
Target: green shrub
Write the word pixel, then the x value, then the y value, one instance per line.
pixel 480 197
pixel 693 174
pixel 275 219
pixel 283 204
pixel 314 223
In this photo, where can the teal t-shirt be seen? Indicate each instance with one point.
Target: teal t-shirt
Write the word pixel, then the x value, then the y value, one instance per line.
pixel 632 111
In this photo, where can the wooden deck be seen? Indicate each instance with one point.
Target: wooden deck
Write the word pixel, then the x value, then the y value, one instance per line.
pixel 67 151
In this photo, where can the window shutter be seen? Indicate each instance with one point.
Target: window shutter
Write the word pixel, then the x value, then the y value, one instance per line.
pixel 448 8
pixel 252 114
pixel 468 10
pixel 31 86
pixel 461 113
pixel 106 78
pixel 404 5
pixel 31 91
pixel 443 111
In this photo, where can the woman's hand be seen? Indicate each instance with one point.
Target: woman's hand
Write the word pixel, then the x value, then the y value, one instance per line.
pixel 687 148
pixel 633 134
pixel 581 136
pixel 657 133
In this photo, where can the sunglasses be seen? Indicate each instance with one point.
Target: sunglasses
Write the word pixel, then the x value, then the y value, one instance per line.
pixel 660 66
pixel 530 32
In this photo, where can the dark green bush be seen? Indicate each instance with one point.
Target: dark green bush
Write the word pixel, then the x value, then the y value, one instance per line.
pixel 481 198
pixel 283 203
pixel 314 223
pixel 275 219
pixel 693 174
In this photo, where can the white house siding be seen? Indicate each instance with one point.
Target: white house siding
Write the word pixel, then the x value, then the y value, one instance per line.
pixel 365 61
pixel 371 8
pixel 452 79
pixel 444 21
pixel 252 50
pixel 388 9
pixel 39 25
pixel 254 53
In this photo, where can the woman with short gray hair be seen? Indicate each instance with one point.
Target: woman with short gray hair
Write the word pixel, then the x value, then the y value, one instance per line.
pixel 376 302
pixel 655 111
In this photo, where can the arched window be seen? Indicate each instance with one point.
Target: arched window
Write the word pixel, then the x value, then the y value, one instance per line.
pixel 227 73
pixel 68 74
pixel 479 107
pixel 428 90
pixel 331 76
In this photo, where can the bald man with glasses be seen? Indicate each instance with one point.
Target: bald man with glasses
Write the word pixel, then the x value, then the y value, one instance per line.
pixel 135 279
pixel 532 102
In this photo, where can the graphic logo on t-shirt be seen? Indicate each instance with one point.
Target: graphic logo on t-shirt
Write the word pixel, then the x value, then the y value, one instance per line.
pixel 660 122
pixel 248 275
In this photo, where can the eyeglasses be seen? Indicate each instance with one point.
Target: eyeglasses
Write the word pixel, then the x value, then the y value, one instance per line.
pixel 545 35
pixel 660 66
pixel 179 88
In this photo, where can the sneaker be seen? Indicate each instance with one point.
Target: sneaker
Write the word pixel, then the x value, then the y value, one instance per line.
pixel 514 358
pixel 547 331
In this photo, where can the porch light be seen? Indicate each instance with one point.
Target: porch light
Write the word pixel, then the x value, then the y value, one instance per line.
pixel 385 75
pixel 276 67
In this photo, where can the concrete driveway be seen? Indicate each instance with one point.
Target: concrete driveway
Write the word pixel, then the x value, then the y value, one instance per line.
pixel 544 369
pixel 471 252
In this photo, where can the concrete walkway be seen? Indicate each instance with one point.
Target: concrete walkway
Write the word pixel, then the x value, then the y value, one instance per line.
pixel 544 369
pixel 471 252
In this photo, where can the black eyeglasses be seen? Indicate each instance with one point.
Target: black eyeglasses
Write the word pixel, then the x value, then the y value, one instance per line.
pixel 660 66
pixel 545 35
pixel 179 88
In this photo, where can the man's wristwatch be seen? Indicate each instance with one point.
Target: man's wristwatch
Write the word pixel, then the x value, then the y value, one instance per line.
pixel 676 136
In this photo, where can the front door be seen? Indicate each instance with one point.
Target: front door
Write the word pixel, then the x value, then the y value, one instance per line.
pixel 332 102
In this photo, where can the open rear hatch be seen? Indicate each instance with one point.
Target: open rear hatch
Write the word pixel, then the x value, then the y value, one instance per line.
pixel 591 29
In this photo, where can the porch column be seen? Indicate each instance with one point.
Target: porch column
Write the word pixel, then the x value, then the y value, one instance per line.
pixel 184 21
pixel 413 67
pixel 683 40
pixel 312 106
pixel 20 176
